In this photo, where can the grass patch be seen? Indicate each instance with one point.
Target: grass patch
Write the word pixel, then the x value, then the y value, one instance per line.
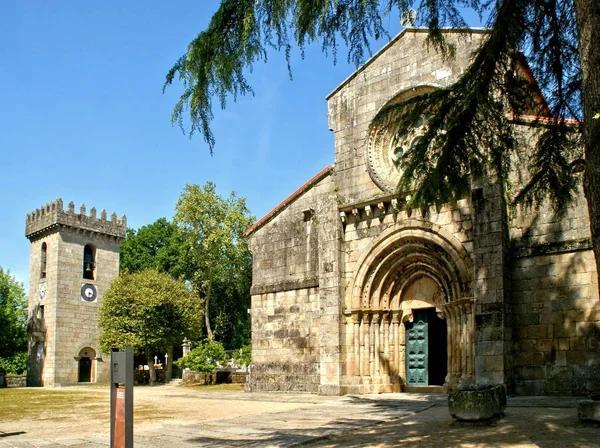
pixel 40 404
pixel 64 405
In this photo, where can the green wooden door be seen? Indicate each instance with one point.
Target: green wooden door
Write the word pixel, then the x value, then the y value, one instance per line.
pixel 417 350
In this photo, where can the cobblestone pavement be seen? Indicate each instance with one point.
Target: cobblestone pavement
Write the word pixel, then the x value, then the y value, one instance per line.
pixel 372 420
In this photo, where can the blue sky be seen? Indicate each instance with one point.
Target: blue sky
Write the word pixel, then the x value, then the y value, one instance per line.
pixel 83 117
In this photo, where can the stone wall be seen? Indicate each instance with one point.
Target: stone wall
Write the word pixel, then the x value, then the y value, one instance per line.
pixel 332 265
pixel 404 63
pixel 16 380
pixel 77 319
pixel 556 306
pixel 286 333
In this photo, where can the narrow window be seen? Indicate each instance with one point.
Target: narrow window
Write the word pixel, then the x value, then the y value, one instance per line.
pixel 43 260
pixel 41 312
pixel 89 262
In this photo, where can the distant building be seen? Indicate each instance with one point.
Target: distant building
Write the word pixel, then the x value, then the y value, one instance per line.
pixel 73 258
pixel 353 293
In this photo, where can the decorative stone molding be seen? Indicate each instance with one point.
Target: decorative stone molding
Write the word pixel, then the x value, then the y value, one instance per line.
pixel 521 250
pixel 364 211
pixel 290 285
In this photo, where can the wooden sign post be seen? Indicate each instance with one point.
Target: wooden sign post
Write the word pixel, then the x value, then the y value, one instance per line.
pixel 121 398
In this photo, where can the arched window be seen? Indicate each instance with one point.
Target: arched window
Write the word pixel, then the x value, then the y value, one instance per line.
pixel 43 260
pixel 89 261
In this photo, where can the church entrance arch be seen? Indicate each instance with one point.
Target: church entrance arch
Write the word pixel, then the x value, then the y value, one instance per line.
pixel 85 364
pixel 408 312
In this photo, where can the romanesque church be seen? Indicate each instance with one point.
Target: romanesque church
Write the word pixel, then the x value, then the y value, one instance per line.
pixel 353 293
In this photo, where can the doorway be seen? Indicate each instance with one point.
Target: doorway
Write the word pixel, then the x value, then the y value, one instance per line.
pixel 85 370
pixel 85 365
pixel 426 349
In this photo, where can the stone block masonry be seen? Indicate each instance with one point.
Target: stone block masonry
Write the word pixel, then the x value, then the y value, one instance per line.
pixel 355 293
pixel 64 349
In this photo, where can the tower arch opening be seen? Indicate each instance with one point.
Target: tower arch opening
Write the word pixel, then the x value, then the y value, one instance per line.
pixel 89 262
pixel 86 361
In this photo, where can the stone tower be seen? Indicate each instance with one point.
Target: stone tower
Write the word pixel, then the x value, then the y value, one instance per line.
pixel 73 258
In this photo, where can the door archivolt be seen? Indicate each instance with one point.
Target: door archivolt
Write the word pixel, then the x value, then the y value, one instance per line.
pixel 406 270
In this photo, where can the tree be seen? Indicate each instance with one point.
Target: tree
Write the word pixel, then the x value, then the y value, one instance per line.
pixel 157 246
pixel 213 228
pixel 149 311
pixel 13 318
pixel 561 39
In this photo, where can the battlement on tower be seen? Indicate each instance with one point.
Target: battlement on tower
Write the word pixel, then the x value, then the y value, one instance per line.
pixel 52 216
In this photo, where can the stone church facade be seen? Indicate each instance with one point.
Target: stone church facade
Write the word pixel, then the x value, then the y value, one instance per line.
pixel 353 293
pixel 73 258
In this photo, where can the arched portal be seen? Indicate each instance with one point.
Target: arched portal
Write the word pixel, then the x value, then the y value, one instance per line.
pixel 410 295
pixel 86 365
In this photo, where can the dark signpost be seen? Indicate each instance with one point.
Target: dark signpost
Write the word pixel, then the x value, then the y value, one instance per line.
pixel 121 398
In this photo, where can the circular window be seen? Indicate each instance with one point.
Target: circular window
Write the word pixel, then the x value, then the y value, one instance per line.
pixel 387 150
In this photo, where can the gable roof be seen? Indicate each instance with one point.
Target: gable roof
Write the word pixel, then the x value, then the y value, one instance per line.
pixel 392 42
pixel 291 198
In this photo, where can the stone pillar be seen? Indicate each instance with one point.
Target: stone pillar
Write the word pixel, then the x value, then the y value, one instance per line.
pixel 357 358
pixel 367 346
pixel 330 327
pixel 349 346
pixel 386 343
pixel 396 339
pixel 376 347
pixel 491 288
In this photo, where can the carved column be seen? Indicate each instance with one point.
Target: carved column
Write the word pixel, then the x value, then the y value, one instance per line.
pixel 386 343
pixel 349 349
pixel 367 345
pixel 356 326
pixel 402 357
pixel 396 339
pixel 376 343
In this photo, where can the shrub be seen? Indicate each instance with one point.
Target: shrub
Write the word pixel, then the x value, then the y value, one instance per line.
pixel 15 364
pixel 206 358
pixel 243 356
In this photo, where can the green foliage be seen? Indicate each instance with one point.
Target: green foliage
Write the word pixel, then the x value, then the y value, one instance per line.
pixel 475 112
pixel 157 246
pixel 206 358
pixel 217 255
pixel 15 364
pixel 13 316
pixel 148 310
pixel 243 356
pixel 241 31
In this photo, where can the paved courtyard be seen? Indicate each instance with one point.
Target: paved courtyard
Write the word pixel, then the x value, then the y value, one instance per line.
pixel 180 417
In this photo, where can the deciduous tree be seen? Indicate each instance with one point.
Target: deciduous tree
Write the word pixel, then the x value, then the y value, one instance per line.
pixel 13 316
pixel 149 311
pixel 218 253
pixel 157 246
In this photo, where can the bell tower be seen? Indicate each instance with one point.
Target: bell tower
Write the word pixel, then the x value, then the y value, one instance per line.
pixel 73 258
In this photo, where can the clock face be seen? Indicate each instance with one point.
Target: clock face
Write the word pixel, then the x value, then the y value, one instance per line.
pixel 42 291
pixel 88 292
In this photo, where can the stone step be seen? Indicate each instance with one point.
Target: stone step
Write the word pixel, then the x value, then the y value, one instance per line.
pixel 423 389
